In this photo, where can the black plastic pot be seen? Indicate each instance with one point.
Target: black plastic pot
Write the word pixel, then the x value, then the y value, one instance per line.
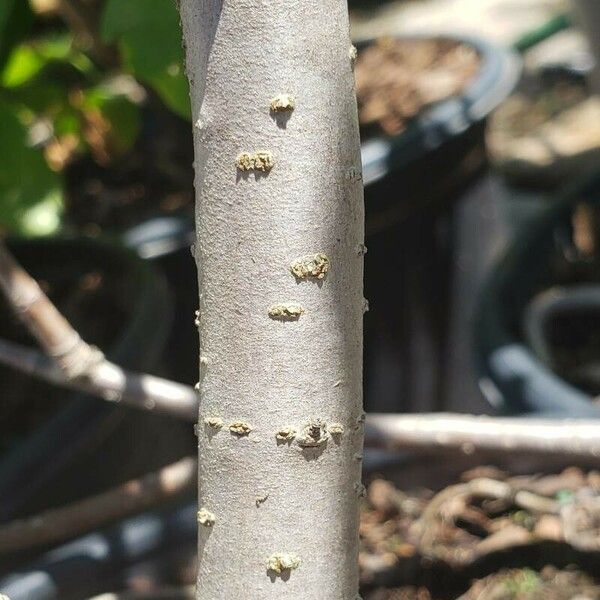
pixel 441 149
pixel 549 173
pixel 165 243
pixel 512 377
pixel 86 445
pixel 412 183
pixel 95 562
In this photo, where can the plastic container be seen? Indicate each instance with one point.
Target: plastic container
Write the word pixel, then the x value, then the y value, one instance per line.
pixel 165 243
pixel 80 449
pixel 95 562
pixel 511 376
pixel 412 183
pixel 427 160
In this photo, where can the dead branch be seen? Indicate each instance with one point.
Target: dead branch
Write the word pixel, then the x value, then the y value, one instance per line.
pixel 83 367
pixel 75 363
pixel 108 382
pixel 83 18
pixel 183 593
pixel 469 434
pixel 449 505
pixel 55 525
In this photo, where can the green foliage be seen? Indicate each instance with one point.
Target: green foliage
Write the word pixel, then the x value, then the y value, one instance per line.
pixel 16 19
pixel 27 61
pixel 30 196
pixel 565 496
pixel 57 103
pixel 149 38
pixel 117 113
pixel 522 582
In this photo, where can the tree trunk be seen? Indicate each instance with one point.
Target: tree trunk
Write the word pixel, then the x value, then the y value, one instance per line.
pixel 280 258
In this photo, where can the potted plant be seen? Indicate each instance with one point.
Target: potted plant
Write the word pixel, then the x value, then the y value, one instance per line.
pixel 65 440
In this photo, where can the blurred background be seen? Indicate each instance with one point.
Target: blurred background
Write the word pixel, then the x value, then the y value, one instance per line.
pixel 480 134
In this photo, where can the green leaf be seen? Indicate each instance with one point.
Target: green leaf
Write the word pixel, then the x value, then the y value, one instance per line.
pixel 30 193
pixel 149 37
pixel 119 112
pixel 28 60
pixel 23 64
pixel 564 496
pixel 16 19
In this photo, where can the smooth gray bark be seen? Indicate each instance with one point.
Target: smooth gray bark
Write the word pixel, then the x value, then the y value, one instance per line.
pixel 280 258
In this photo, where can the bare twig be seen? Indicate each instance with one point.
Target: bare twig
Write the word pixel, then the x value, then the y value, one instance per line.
pixel 73 519
pixel 448 504
pixel 440 432
pixel 108 382
pixel 75 363
pixel 183 593
pixel 83 19
pixel 85 368
pixel 60 341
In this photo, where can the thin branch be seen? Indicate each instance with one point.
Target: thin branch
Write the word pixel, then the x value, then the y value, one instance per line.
pixel 420 432
pixel 85 368
pixel 55 525
pixel 470 434
pixel 75 363
pixel 108 382
pixel 83 19
pixel 59 340
pixel 183 593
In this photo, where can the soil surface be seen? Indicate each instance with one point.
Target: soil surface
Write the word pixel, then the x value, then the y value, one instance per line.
pixel 397 79
pixel 490 536
pixel 546 133
pixel 512 584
